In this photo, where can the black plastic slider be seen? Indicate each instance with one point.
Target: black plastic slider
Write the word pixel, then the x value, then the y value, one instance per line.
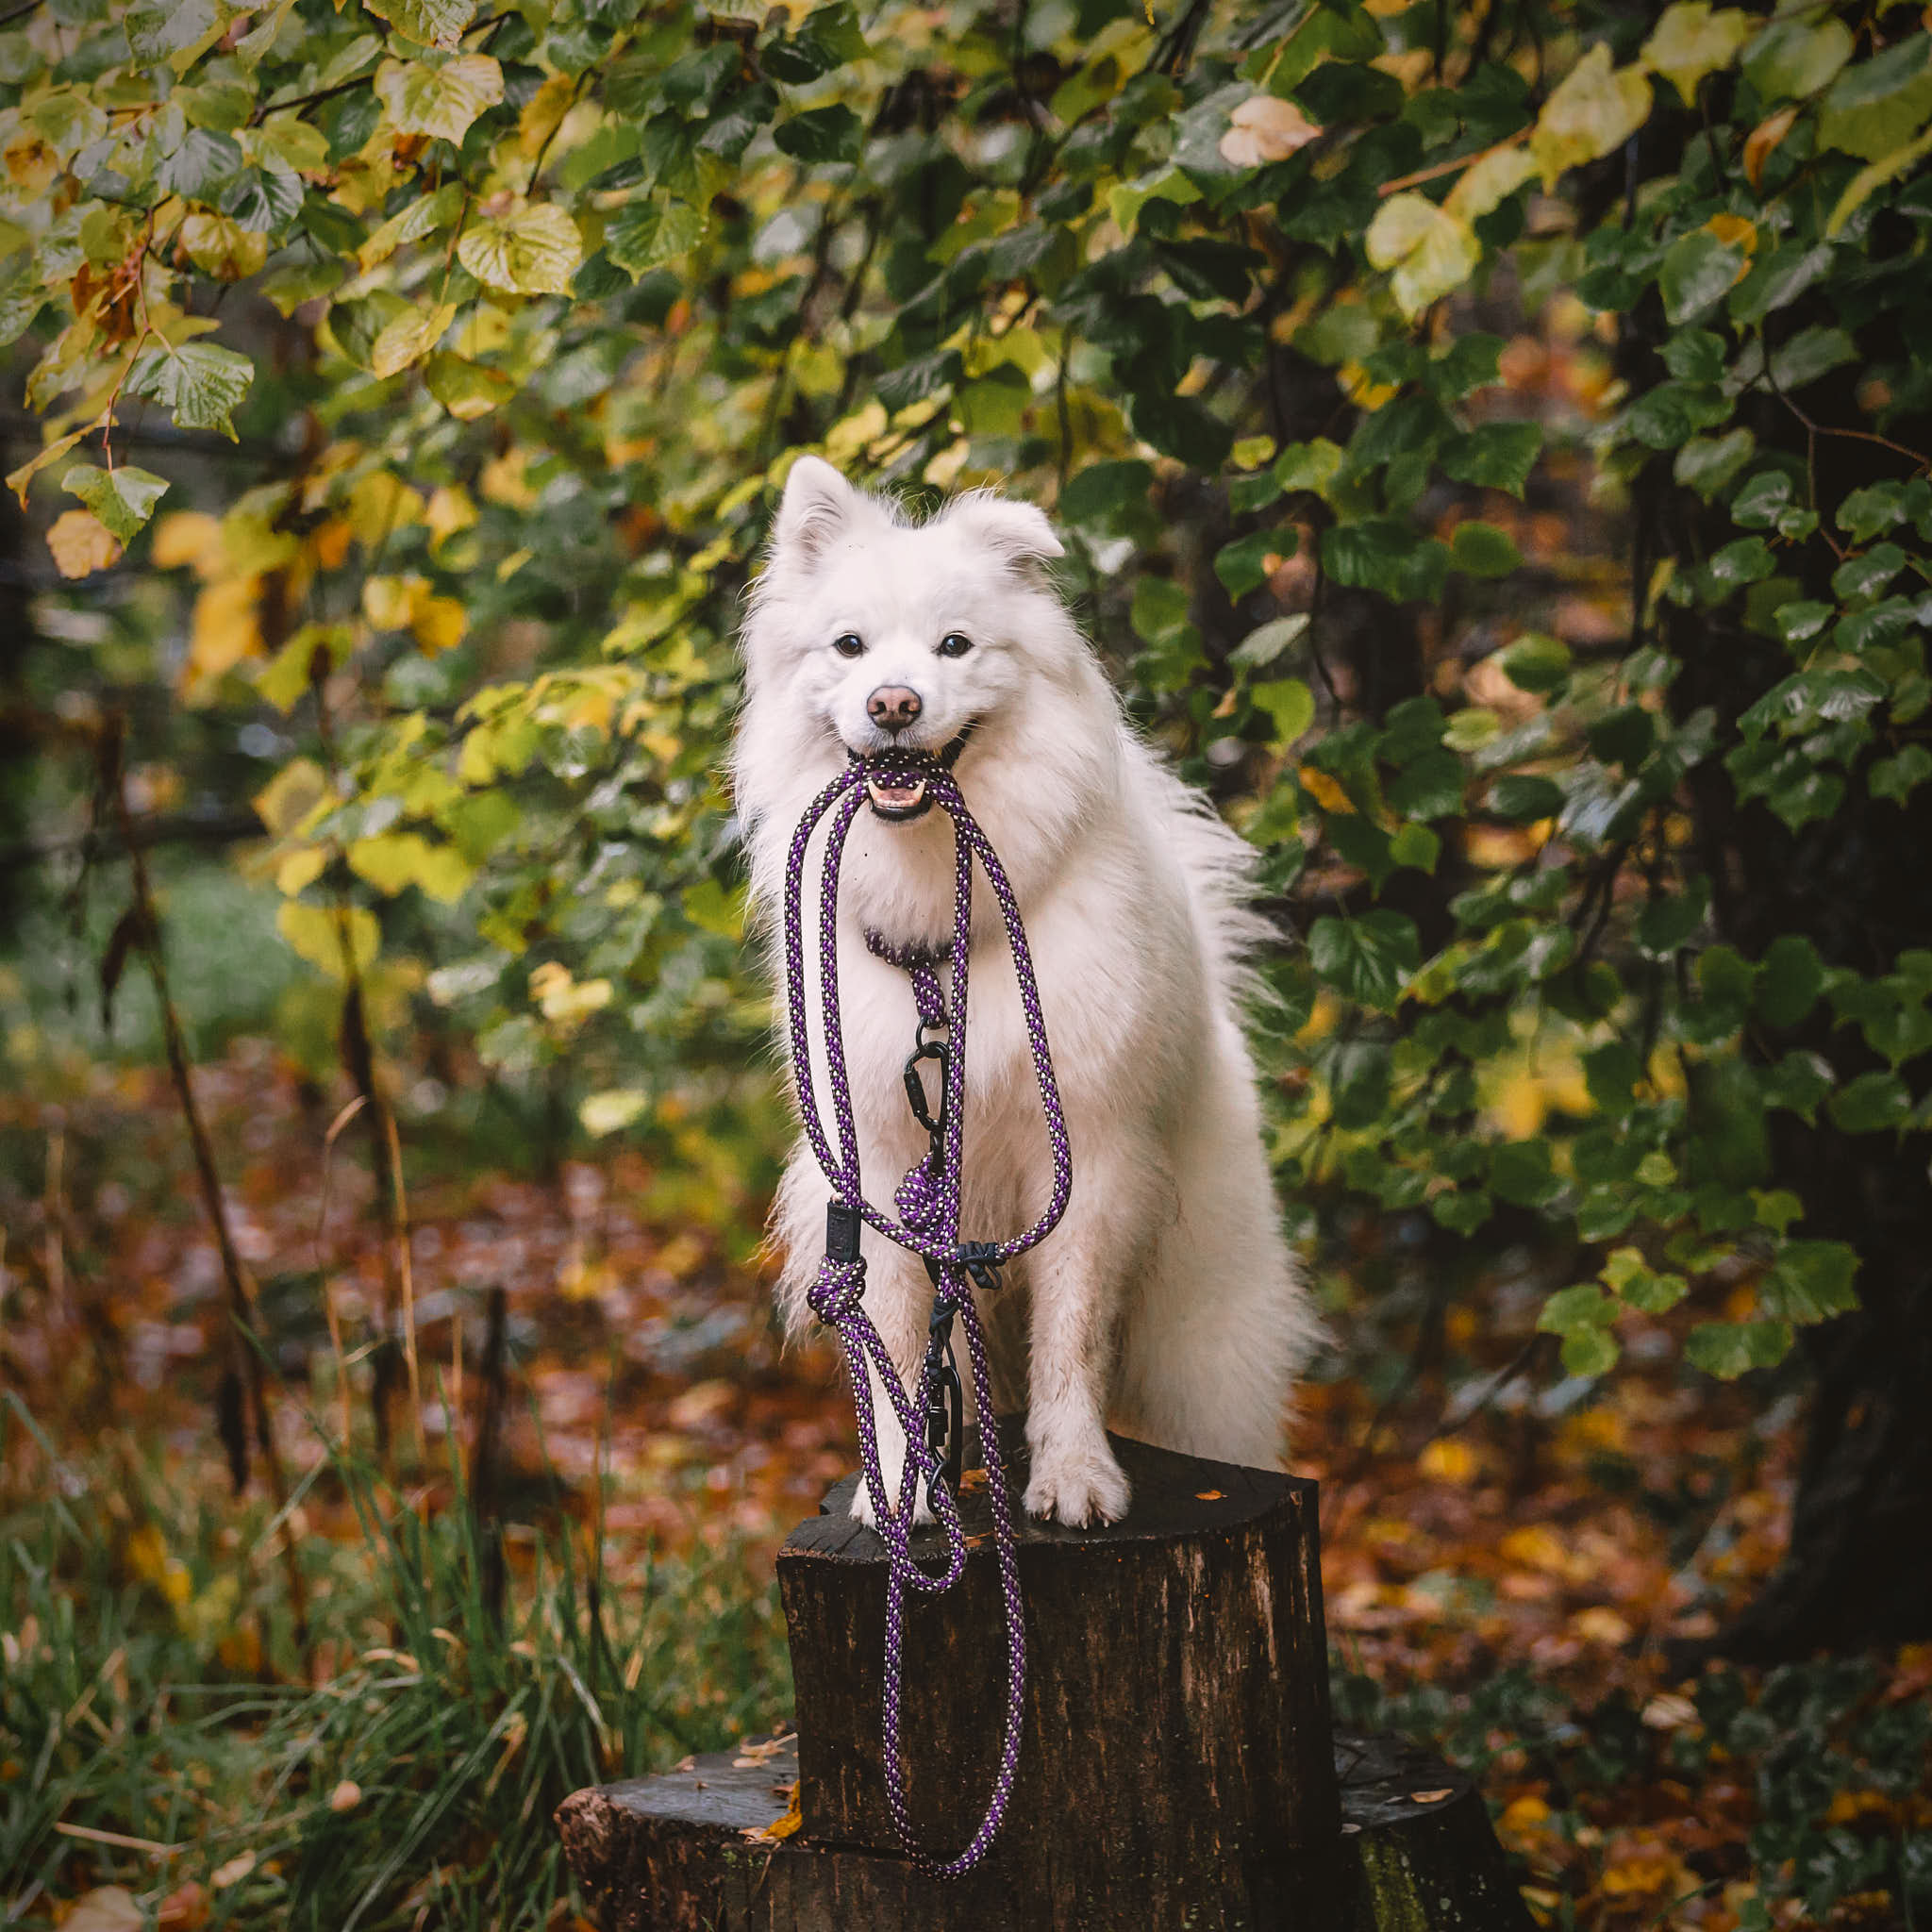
pixel 841 1231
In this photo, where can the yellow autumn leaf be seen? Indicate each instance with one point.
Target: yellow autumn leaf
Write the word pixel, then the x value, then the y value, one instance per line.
pixel 542 114
pixel 300 870
pixel 408 338
pixel 612 1110
pixel 1593 112
pixel 389 602
pixel 81 543
pixel 1693 39
pixel 566 1001
pixel 188 538
pixel 1762 142
pixel 290 797
pixel 221 247
pixel 1488 181
pixel 533 250
pixel 451 508
pixel 317 934
pixel 380 505
pixel 441 100
pixel 1429 251
pixel 438 624
pixel 500 480
pixel 226 627
pixel 395 861
pixel 1734 231
pixel 1324 789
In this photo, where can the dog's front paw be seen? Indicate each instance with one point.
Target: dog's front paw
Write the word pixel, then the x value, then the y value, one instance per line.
pixel 1081 1489
pixel 863 1509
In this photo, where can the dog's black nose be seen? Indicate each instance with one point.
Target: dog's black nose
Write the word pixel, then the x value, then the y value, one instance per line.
pixel 892 707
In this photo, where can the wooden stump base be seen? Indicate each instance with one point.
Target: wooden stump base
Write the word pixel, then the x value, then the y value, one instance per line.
pixel 1177 1764
pixel 671 1854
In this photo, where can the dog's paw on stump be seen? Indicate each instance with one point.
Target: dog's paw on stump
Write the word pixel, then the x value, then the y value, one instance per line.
pixel 1177 1766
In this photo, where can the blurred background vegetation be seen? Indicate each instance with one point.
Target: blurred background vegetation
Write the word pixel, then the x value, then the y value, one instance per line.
pixel 1491 443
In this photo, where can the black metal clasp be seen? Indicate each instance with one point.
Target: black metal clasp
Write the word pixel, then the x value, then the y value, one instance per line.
pixel 933 1121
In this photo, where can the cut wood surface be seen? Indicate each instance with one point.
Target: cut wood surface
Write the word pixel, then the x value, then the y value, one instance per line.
pixel 1414 1853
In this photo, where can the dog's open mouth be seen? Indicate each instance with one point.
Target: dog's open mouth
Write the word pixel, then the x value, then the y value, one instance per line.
pixel 897 783
pixel 897 795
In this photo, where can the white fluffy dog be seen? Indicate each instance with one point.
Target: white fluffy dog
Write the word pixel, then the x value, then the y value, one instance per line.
pixel 1166 1304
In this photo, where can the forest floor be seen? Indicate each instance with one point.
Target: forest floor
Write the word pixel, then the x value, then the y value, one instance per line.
pixel 1512 1560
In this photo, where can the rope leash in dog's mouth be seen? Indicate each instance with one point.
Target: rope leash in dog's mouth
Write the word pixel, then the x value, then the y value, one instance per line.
pixel 927 1200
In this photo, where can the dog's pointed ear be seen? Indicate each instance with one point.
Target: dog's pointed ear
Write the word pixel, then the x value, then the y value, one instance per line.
pixel 1017 533
pixel 817 507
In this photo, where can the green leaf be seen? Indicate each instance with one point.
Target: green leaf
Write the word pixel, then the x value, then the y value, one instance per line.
pixel 1882 103
pixel 1611 1072
pixel 1103 495
pixel 1535 662
pixel 1729 1349
pixel 1266 643
pixel 1899 777
pixel 1707 464
pixel 1462 1210
pixel 1671 413
pixel 1289 703
pixel 1523 798
pixel 646 234
pixel 1159 609
pixel 822 134
pixel 1368 959
pixel 1520 1172
pixel 124 499
pixel 1497 456
pixel 1809 355
pixel 1481 550
pixel 1811 1281
pixel 1874 1103
pixel 1243 565
pixel 1790 976
pixel 428 23
pixel 1790 60
pixel 1697 272
pixel 1417 846
pixel 1585 1306
pixel 201 382
pixel 1309 466
pixel 1386 554
pixel 160 28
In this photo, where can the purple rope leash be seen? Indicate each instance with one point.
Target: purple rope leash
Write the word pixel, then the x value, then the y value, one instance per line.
pixel 927 1201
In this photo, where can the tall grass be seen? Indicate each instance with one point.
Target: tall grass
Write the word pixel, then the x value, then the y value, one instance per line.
pixel 151 1691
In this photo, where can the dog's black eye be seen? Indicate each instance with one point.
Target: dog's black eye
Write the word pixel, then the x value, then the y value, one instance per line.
pixel 954 644
pixel 850 645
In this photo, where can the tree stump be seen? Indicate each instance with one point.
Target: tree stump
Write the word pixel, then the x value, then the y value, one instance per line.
pixel 1177 1765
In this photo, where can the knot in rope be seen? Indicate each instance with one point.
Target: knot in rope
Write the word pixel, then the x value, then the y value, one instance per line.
pixel 835 1296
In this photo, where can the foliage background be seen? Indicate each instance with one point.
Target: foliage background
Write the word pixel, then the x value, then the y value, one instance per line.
pixel 1491 443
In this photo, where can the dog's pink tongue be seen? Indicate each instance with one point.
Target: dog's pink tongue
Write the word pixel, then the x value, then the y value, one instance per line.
pixel 896 794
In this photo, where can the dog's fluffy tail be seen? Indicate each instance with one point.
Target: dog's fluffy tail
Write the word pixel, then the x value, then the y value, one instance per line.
pixel 1220 867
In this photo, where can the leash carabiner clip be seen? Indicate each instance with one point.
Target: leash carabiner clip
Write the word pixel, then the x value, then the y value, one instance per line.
pixel 934 1124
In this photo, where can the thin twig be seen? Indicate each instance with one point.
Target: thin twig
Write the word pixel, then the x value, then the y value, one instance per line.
pixel 1442 168
pixel 245 1353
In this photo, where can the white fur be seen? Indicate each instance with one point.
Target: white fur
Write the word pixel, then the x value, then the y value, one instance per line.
pixel 1166 1305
